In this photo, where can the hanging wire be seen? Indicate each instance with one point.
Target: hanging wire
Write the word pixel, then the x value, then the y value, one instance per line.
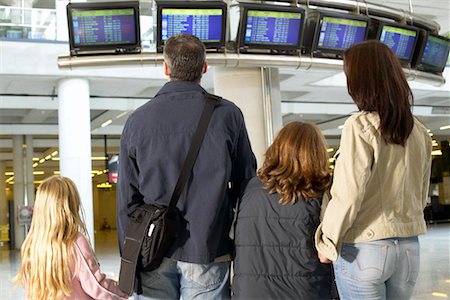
pixel 300 52
pixel 367 8
pixel 299 59
pixel 411 11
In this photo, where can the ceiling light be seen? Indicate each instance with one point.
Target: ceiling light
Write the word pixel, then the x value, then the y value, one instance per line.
pixel 330 149
pixel 106 123
pixel 38 173
pixel 121 115
pixel 436 152
pixel 104 185
pixel 35 158
pixel 444 127
pixel 340 127
pixel 441 295
pixel 42 160
pixel 48 157
pixel 92 158
pixel 56 172
pixel 35 165
pixel 54 153
pixel 9 173
pixel 98 158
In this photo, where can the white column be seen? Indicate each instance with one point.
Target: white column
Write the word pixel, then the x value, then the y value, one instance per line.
pixel 272 102
pixel 62 31
pixel 19 189
pixel 75 141
pixel 3 201
pixel 254 91
pixel 28 166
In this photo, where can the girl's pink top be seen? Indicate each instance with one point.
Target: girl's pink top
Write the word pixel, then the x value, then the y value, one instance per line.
pixel 89 282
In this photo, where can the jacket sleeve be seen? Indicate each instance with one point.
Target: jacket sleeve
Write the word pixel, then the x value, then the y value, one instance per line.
pixel 128 195
pixel 93 282
pixel 244 161
pixel 351 174
pixel 427 172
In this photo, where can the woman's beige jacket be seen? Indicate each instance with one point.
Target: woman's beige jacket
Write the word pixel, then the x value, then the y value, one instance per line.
pixel 379 190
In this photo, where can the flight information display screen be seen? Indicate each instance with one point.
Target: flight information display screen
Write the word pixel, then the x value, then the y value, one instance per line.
pixel 273 28
pixel 400 40
pixel 206 24
pixel 435 52
pixel 339 33
pixel 104 26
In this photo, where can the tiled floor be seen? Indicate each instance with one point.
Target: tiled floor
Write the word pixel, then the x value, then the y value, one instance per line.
pixel 433 282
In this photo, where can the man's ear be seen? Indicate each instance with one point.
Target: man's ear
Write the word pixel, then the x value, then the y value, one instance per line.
pixel 205 67
pixel 166 69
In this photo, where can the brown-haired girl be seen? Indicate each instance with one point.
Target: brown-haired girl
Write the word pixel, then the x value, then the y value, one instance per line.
pixel 277 217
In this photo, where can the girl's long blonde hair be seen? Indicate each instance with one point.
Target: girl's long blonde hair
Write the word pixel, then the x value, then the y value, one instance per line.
pixel 47 266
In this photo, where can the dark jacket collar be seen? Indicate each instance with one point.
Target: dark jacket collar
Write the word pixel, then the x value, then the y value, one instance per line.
pixel 180 86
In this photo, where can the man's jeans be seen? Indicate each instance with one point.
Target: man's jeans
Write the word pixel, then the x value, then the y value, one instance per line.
pixel 175 279
pixel 383 269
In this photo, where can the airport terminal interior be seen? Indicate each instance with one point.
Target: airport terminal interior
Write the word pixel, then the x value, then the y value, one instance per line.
pixel 63 104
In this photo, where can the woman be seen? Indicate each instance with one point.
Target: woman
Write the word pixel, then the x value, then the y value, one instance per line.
pixel 57 260
pixel 278 215
pixel 380 184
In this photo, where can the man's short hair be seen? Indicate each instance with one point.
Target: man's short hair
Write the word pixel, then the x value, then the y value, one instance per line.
pixel 185 56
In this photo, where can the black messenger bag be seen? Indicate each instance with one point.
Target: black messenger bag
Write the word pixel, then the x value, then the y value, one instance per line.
pixel 152 228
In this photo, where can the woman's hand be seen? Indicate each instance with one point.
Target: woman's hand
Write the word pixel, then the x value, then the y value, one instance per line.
pixel 323 259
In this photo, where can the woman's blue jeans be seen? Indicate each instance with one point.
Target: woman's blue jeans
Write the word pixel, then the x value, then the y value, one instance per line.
pixel 383 269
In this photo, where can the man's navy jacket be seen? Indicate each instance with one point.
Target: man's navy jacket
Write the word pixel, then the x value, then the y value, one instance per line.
pixel 153 147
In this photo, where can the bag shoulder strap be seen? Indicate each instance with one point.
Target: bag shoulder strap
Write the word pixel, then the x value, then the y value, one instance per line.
pixel 211 102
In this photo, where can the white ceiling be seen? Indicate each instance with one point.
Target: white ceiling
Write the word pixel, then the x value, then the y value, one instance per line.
pixel 435 10
pixel 317 95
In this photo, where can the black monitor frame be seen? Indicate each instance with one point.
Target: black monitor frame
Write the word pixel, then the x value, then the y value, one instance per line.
pixel 245 46
pixel 120 48
pixel 316 23
pixel 191 5
pixel 420 66
pixel 379 29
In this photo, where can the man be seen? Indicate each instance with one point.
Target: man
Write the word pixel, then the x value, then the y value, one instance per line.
pixel 154 145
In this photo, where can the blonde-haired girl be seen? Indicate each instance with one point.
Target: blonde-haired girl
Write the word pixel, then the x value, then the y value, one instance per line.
pixel 57 260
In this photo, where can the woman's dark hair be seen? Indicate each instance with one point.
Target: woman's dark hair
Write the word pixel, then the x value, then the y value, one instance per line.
pixel 185 56
pixel 296 164
pixel 376 82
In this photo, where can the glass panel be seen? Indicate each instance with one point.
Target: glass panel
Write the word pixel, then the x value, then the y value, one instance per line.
pixel 27 23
